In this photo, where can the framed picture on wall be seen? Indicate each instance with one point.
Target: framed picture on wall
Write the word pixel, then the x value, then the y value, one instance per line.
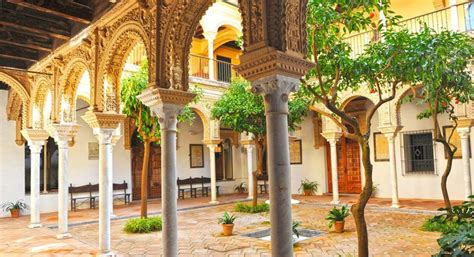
pixel 196 155
pixel 380 148
pixel 296 152
pixel 93 151
pixel 455 140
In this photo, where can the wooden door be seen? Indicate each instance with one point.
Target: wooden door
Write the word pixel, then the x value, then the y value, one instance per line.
pixel 348 165
pixel 154 172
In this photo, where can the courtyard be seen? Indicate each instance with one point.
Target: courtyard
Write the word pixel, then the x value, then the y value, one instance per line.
pixel 392 232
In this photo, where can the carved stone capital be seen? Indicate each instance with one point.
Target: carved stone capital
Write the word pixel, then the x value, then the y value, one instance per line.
pixel 62 133
pixel 211 142
pixel 100 120
pixel 275 91
pixel 166 104
pixel 266 62
pixel 390 131
pixel 465 123
pixel 464 132
pixel 35 136
pixel 332 137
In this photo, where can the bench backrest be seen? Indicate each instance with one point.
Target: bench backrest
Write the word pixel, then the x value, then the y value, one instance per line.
pixel 263 177
pixel 120 186
pixel 79 189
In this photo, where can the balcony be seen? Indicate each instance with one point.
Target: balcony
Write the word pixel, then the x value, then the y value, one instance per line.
pixel 205 70
pixel 458 17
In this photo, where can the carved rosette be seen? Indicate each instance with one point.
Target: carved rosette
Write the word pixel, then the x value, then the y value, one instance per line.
pixel 99 120
pixel 35 135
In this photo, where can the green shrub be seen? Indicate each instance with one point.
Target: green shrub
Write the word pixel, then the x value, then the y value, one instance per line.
pixel 143 225
pixel 261 207
pixel 437 225
pixel 449 222
pixel 458 243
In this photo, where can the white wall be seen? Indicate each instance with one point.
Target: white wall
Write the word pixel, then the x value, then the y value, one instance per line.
pixel 12 167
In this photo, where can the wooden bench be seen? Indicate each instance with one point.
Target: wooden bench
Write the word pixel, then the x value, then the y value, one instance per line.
pixel 264 184
pixel 192 185
pixel 81 190
pixel 92 195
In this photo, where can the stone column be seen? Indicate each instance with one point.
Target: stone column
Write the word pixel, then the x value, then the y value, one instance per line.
pixel 212 160
pixel 104 126
pixel 454 15
pixel 62 133
pixel 115 138
pixel 390 132
pixel 210 36
pixel 36 139
pixel 332 138
pixel 167 104
pixel 464 133
pixel 250 188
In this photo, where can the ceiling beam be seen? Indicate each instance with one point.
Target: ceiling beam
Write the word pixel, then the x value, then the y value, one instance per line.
pixel 73 13
pixel 28 40
pixel 16 53
pixel 13 63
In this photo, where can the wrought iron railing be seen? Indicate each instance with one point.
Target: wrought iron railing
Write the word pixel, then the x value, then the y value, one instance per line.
pixel 199 67
pixel 439 20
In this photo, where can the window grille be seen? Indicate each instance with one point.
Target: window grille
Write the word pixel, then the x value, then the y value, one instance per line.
pixel 418 152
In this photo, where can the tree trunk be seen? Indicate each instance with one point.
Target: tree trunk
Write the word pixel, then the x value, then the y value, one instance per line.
pixel 144 189
pixel 259 145
pixel 444 178
pixel 358 209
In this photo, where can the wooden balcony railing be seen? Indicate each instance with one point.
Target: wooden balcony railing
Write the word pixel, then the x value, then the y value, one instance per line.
pixel 459 17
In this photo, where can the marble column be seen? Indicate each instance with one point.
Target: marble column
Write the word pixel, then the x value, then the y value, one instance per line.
pixel 464 133
pixel 212 160
pixel 275 90
pixel 104 126
pixel 393 169
pixel 62 133
pixel 36 139
pixel 334 170
pixel 115 139
pixel 210 36
pixel 250 188
pixel 167 104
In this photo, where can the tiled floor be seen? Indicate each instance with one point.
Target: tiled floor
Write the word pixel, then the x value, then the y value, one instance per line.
pixel 391 233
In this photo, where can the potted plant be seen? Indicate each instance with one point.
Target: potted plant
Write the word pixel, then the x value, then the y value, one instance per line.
pixel 294 228
pixel 308 187
pixel 240 188
pixel 336 217
pixel 14 208
pixel 227 222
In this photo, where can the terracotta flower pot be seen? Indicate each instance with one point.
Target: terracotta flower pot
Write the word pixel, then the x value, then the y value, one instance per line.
pixel 227 229
pixel 339 226
pixel 15 213
pixel 307 192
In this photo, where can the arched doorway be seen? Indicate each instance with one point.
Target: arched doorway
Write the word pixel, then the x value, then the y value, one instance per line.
pixel 348 151
pixel 154 168
pixel 224 160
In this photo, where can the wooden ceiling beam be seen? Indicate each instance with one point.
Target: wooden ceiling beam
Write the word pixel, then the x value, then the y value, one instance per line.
pixel 16 53
pixel 14 63
pixel 28 40
pixel 79 15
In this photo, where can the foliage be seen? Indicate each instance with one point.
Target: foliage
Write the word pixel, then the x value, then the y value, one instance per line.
pixel 227 219
pixel 262 207
pixel 312 186
pixel 294 228
pixel 450 221
pixel 375 187
pixel 143 225
pixel 244 111
pixel 18 205
pixel 241 188
pixel 337 215
pixel 436 225
pixel 459 242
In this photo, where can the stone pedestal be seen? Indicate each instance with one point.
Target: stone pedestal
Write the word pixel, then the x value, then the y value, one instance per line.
pixel 62 134
pixel 36 139
pixel 167 104
pixel 104 126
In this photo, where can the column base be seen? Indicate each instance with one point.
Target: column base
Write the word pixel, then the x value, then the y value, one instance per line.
pixel 35 225
pixel 63 236
pixel 395 206
pixel 250 197
pixel 335 202
pixel 108 254
pixel 214 202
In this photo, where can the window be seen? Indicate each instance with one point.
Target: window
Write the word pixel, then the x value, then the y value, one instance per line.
pixel 418 152
pixel 50 161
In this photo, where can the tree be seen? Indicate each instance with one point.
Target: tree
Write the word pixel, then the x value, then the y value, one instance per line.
pixel 147 124
pixel 244 112
pixel 382 68
pixel 442 62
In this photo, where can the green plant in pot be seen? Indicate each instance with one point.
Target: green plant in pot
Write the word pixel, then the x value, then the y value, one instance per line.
pixel 337 218
pixel 14 208
pixel 308 187
pixel 240 188
pixel 227 221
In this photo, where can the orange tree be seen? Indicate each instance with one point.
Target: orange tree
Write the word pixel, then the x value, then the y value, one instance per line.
pixel 383 68
pixel 147 124
pixel 442 62
pixel 244 112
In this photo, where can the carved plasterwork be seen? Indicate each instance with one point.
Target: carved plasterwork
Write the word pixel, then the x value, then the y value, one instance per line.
pixel 35 135
pixel 155 96
pixel 19 83
pixel 98 120
pixel 63 132
pixel 14 105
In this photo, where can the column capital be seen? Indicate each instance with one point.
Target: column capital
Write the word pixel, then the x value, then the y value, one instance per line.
pixel 390 130
pixel 63 132
pixel 211 143
pixel 275 90
pixel 167 104
pixel 210 35
pixel 464 132
pixel 248 143
pixel 103 121
pixel 465 123
pixel 332 137
pixel 35 136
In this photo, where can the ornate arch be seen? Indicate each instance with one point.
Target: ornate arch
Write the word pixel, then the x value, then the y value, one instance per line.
pixel 205 118
pixel 22 91
pixel 115 55
pixel 41 88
